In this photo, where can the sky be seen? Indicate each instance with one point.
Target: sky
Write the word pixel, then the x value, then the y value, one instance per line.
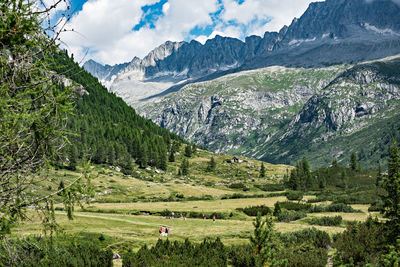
pixel 115 31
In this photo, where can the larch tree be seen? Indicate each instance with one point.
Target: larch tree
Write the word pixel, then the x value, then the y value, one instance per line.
pixel 35 103
pixel 391 184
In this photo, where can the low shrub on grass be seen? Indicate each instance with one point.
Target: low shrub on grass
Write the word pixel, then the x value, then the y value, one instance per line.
pixel 304 255
pixel 326 221
pixel 253 210
pixel 166 253
pixel 290 215
pixel 361 243
pixel 294 206
pixel 270 187
pixel 340 207
pixel 242 256
pixel 313 236
pixel 241 186
pixel 294 195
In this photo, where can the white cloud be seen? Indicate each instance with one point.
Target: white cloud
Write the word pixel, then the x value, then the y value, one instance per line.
pixel 105 26
pixel 279 12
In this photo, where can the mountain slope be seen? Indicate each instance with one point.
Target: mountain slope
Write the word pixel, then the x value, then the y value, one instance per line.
pixel 330 32
pixel 105 129
pixel 282 114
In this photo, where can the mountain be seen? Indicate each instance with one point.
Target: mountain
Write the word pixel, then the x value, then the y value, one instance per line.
pixel 281 114
pixel 330 32
pixel 105 129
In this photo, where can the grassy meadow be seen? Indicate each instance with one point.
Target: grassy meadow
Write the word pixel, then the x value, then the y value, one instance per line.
pixel 127 208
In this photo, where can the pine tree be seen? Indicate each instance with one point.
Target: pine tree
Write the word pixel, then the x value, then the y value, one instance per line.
pixel 293 182
pixel 73 158
pixel 263 241
pixel 142 159
pixel 334 163
pixel 308 182
pixel 126 164
pixel 184 170
pixel 211 165
pixel 262 170
pixel 277 209
pixel 379 175
pixel 354 161
pixel 162 159
pixel 344 179
pixel 111 155
pixel 188 151
pixel 391 208
pixel 171 157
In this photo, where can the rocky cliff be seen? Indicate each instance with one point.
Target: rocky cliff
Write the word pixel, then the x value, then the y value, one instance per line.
pixel 280 114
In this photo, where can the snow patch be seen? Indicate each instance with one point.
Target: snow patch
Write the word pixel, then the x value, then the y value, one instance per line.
pixel 298 42
pixel 380 31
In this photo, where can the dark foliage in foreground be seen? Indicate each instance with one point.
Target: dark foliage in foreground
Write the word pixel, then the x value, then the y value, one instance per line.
pixel 59 251
pixel 362 243
pixel 302 248
pixel 166 253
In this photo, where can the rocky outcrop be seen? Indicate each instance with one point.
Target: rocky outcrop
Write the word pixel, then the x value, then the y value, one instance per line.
pixel 280 114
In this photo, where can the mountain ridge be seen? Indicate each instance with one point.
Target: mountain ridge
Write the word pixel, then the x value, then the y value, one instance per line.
pixel 280 114
pixel 328 33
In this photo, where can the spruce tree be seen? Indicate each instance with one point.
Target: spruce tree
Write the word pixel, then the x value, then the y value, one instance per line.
pixel 171 157
pixel 306 173
pixel 379 175
pixel 334 163
pixel 262 170
pixel 211 165
pixel 184 170
pixel 73 158
pixel 263 241
pixel 277 209
pixel 142 157
pixel 391 208
pixel 293 182
pixel 188 151
pixel 354 161
pixel 344 179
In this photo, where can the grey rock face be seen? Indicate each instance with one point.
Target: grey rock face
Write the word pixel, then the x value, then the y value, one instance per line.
pixel 277 114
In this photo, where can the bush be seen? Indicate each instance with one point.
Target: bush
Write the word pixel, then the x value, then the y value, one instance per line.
pixel 294 195
pixel 61 251
pixel 289 215
pixel 191 214
pixel 270 187
pixel 313 236
pixel 340 207
pixel 241 186
pixel 294 206
pixel 166 253
pixel 253 210
pixel 242 256
pixel 307 247
pixel 326 221
pixel 361 243
pixel 304 255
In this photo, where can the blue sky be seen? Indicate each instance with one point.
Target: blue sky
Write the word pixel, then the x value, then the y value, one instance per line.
pixel 114 31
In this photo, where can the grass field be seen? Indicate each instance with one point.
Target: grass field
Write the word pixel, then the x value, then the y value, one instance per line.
pixel 148 191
